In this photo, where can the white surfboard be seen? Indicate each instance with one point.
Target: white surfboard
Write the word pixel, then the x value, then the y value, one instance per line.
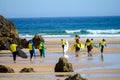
pixel 66 48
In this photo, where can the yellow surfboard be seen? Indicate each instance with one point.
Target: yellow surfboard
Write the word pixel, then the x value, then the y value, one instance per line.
pixel 82 46
pixel 73 47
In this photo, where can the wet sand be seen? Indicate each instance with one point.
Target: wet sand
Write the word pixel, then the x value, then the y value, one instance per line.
pixel 95 68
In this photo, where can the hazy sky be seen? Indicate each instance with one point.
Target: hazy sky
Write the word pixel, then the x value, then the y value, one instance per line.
pixel 59 8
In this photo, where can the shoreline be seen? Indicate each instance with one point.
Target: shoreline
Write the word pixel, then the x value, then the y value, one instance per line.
pixel 54 45
pixel 44 67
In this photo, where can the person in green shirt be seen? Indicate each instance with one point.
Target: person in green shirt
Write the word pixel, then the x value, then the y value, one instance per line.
pixel 42 49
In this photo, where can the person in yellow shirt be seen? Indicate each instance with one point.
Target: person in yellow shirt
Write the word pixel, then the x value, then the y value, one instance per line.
pixel 42 49
pixel 31 49
pixel 102 44
pixel 77 46
pixel 63 43
pixel 88 43
pixel 13 48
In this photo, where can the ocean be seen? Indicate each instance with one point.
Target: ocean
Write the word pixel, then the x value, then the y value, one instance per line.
pixel 67 27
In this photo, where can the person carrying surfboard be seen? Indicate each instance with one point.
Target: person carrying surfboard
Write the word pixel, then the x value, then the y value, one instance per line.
pixel 13 48
pixel 88 44
pixel 42 49
pixel 101 45
pixel 77 46
pixel 31 49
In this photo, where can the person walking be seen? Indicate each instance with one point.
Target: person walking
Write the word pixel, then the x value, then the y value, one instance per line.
pixel 101 45
pixel 42 49
pixel 13 48
pixel 77 46
pixel 88 44
pixel 63 43
pixel 31 49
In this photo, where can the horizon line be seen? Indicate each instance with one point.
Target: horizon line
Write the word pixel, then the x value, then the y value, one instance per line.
pixel 65 16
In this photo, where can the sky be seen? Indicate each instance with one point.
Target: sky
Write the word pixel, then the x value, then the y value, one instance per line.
pixel 59 8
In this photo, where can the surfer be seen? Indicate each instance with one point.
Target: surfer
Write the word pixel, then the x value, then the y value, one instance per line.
pixel 102 44
pixel 77 46
pixel 13 48
pixel 63 43
pixel 42 49
pixel 89 46
pixel 31 49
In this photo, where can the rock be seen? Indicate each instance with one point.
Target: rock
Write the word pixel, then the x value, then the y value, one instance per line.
pixel 24 43
pixel 24 70
pixel 37 39
pixel 4 69
pixel 8 32
pixel 63 65
pixel 75 77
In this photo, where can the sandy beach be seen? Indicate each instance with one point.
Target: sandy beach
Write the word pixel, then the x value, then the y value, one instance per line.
pixel 92 69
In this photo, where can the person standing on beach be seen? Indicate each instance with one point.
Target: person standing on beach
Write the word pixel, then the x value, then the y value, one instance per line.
pixel 63 43
pixel 13 48
pixel 89 46
pixel 42 49
pixel 102 44
pixel 31 49
pixel 77 46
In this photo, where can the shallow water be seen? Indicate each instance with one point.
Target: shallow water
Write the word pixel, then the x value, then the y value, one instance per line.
pixel 109 61
pixel 56 76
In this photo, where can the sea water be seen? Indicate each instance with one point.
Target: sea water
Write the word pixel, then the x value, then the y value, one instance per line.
pixel 58 27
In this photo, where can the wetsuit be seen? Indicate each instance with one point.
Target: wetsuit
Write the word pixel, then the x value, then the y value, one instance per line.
pixel 30 45
pixel 13 48
pixel 42 49
pixel 102 44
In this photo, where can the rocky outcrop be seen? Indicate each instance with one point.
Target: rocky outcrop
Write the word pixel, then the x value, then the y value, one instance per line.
pixel 4 69
pixel 24 43
pixel 8 32
pixel 63 65
pixel 27 70
pixel 75 77
pixel 37 39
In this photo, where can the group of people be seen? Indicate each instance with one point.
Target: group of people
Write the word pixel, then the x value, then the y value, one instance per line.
pixel 77 46
pixel 13 48
pixel 32 49
pixel 88 44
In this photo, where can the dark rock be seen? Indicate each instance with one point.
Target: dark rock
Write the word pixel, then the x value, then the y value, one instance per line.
pixel 8 32
pixel 28 70
pixel 37 39
pixel 75 77
pixel 4 69
pixel 63 65
pixel 24 43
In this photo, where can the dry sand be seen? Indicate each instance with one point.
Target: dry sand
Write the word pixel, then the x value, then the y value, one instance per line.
pixel 45 67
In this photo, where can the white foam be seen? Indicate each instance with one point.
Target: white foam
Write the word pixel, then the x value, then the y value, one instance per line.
pixel 100 36
pixel 72 31
pixel 107 31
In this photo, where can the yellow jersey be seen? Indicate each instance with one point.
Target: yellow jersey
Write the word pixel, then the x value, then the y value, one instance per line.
pixel 30 46
pixel 13 47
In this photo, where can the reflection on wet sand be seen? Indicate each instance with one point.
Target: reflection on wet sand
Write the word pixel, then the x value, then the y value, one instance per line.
pixel 82 64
